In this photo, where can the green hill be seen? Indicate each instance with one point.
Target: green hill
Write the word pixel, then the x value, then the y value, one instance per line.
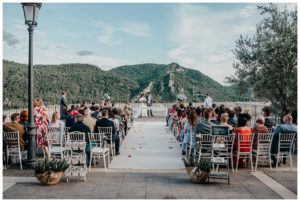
pixel 90 83
pixel 187 81
pixel 81 81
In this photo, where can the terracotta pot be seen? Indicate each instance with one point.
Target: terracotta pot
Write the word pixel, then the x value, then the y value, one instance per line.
pixel 51 178
pixel 200 177
pixel 189 170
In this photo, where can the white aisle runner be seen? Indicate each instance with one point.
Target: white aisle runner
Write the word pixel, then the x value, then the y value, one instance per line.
pixel 149 146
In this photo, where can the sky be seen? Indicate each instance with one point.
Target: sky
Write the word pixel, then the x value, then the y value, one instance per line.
pixel 199 36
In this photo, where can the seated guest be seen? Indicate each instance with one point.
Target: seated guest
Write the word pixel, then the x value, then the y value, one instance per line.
pixel 205 126
pixel 286 127
pixel 214 117
pixel 269 122
pixel 15 126
pixel 57 123
pixel 96 112
pixel 105 122
pixel 74 111
pixel 224 119
pixel 259 127
pixel 81 127
pixel 242 129
pixel 67 118
pixel 189 129
pixel 231 121
pixel 24 118
pixel 88 120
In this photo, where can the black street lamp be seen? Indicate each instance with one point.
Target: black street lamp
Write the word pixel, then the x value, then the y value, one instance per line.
pixel 31 12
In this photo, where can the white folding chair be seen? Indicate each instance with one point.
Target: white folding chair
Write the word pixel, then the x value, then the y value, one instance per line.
pixel 12 146
pixel 107 132
pixel 285 147
pixel 229 141
pixel 56 140
pixel 76 136
pixel 205 146
pixel 97 149
pixel 270 130
pixel 244 143
pixel 263 150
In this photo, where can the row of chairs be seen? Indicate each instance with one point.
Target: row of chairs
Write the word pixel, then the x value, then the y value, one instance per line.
pixel 57 139
pixel 101 144
pixel 245 147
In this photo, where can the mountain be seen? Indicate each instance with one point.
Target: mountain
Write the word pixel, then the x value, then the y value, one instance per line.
pixel 85 82
pixel 170 80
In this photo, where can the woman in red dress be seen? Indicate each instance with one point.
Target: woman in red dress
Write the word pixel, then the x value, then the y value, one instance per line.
pixel 41 124
pixel 242 130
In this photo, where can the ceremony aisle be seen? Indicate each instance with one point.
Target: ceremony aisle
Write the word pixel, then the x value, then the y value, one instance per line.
pixel 148 146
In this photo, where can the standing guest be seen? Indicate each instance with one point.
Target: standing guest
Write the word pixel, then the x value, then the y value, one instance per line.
pixel 63 102
pixel 92 107
pixel 41 123
pixel 286 127
pixel 15 126
pixel 269 123
pixel 149 103
pixel 208 101
pixel 258 127
pixel 88 120
pixel 67 118
pixel 105 122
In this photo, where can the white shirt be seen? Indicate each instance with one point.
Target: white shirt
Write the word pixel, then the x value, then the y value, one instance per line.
pixel 208 102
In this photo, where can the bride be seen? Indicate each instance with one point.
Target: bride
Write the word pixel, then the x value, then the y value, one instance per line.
pixel 143 105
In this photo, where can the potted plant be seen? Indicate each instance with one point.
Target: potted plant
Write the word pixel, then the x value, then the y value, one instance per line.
pixel 200 173
pixel 50 172
pixel 190 164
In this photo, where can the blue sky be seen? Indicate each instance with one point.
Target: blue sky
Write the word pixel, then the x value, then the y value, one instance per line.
pixel 199 36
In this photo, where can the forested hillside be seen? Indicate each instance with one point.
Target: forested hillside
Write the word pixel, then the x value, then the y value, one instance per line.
pixel 123 84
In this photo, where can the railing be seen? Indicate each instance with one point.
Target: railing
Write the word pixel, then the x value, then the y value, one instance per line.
pixel 253 107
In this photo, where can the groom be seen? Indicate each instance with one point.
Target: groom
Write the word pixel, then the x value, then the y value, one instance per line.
pixel 149 103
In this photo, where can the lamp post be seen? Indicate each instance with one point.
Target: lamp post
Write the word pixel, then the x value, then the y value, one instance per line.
pixel 31 12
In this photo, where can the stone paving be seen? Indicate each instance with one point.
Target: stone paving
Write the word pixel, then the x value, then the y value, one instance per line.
pixel 143 186
pixel 156 183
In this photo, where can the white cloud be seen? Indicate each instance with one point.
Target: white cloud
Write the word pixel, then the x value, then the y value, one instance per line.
pixel 248 11
pixel 136 29
pixel 203 39
pixel 107 37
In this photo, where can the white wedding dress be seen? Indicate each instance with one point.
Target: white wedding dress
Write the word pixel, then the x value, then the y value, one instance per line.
pixel 143 106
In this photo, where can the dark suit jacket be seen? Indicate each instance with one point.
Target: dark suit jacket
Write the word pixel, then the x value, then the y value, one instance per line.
pixel 269 123
pixel 104 122
pixel 81 127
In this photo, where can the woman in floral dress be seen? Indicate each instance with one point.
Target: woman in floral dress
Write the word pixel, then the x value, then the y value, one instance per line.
pixel 41 124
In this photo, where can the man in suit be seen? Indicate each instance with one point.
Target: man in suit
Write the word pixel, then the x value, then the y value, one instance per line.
pixel 105 122
pixel 63 102
pixel 149 103
pixel 286 127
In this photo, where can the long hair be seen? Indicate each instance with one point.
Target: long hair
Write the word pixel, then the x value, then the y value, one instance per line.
pixel 54 117
pixel 193 119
